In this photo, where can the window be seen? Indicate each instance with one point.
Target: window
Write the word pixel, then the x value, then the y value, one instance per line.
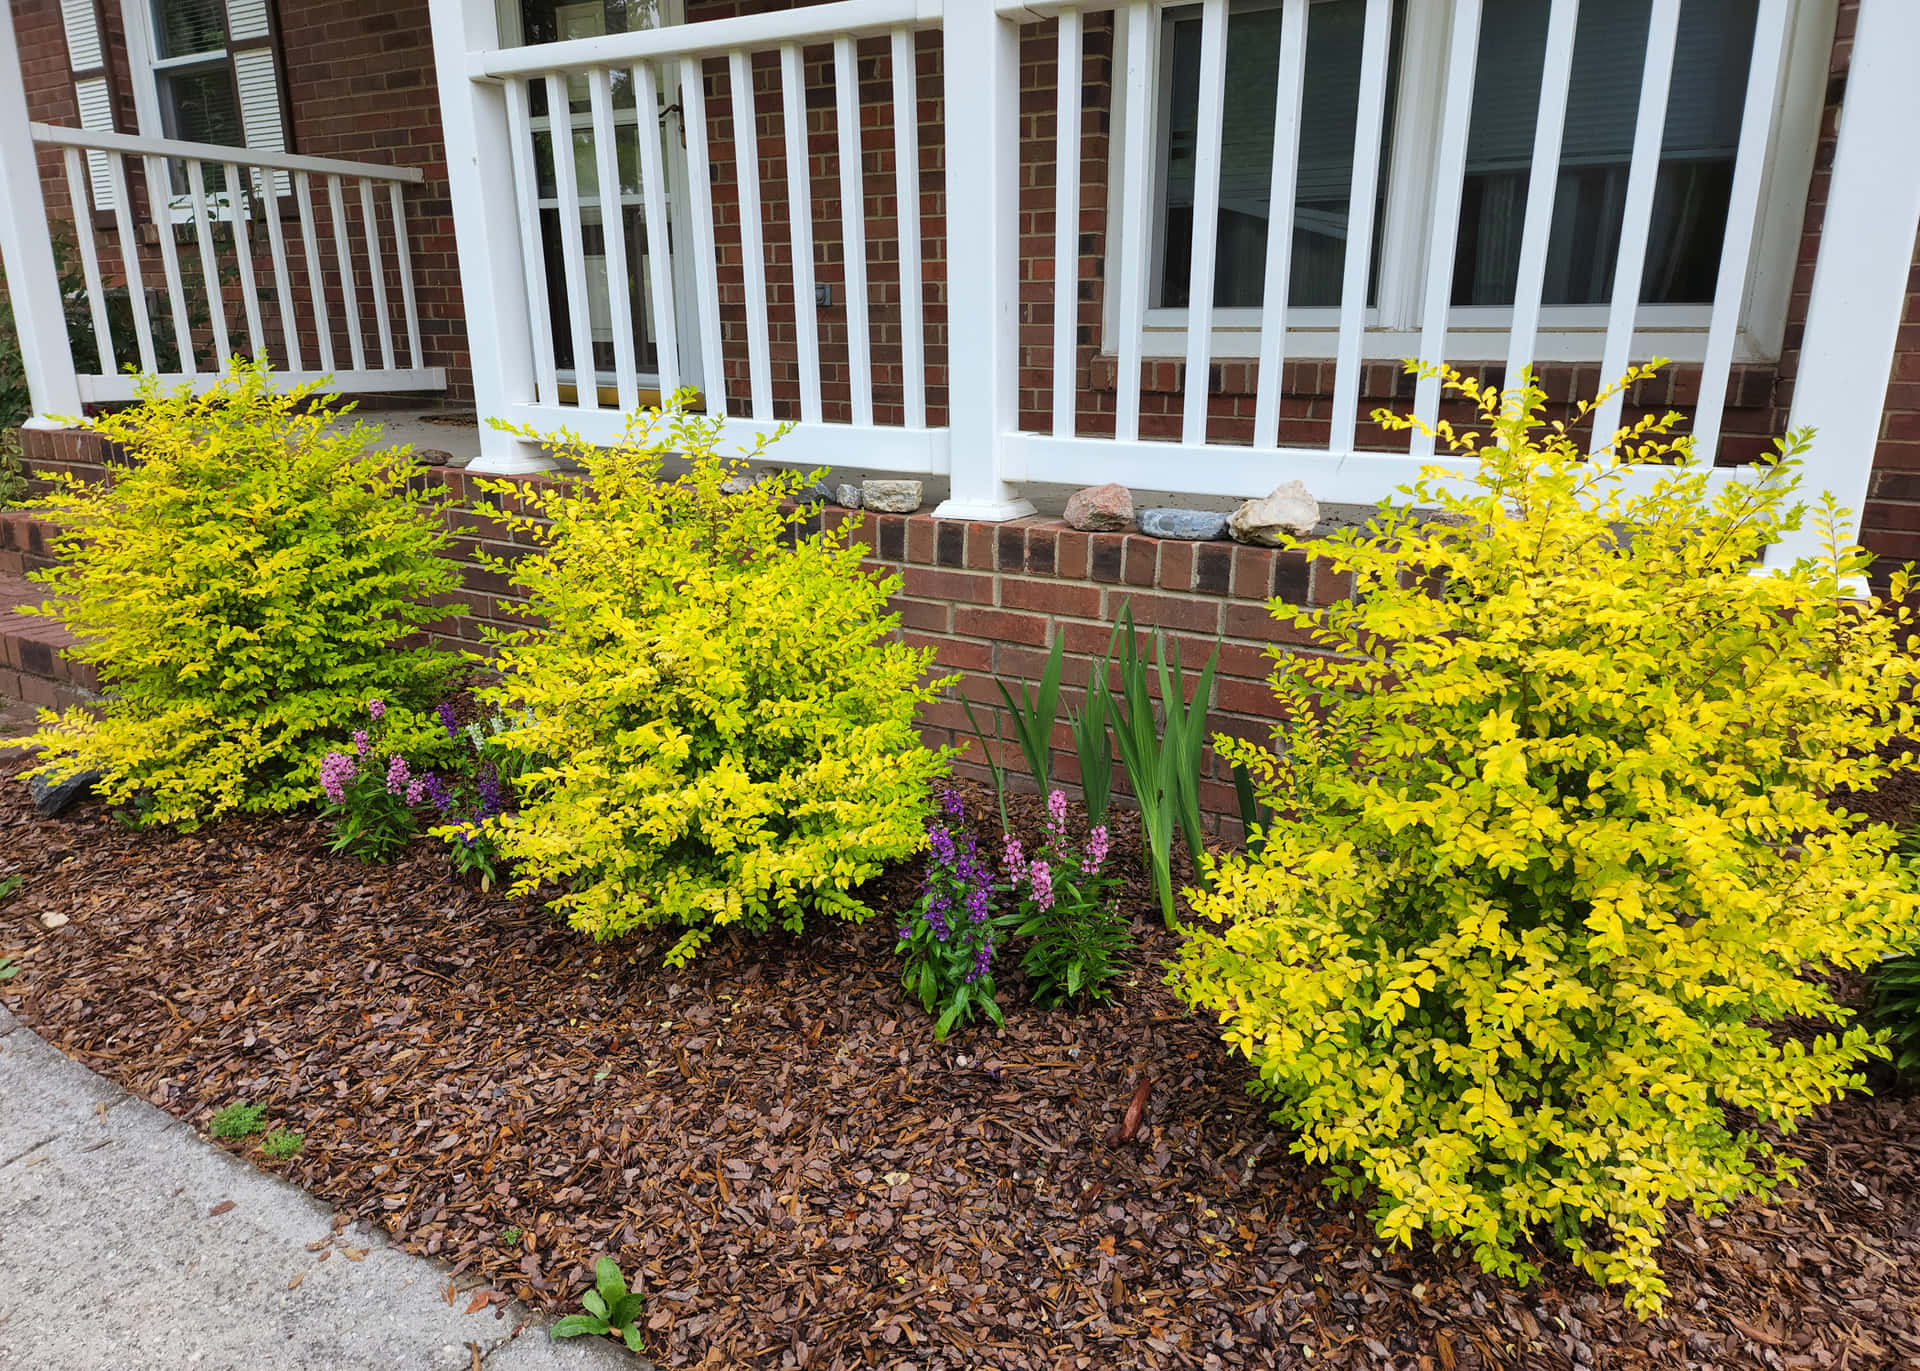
pixel 1696 163
pixel 208 71
pixel 1689 223
pixel 191 70
pixel 1329 106
pixel 548 21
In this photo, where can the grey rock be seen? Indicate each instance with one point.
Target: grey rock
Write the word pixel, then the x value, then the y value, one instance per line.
pixel 815 494
pixel 1288 508
pixel 847 495
pixel 438 457
pixel 1107 508
pixel 890 497
pixel 1193 525
pixel 738 485
pixel 54 798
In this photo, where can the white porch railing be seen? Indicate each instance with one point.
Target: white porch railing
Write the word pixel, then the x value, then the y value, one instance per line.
pixel 226 200
pixel 488 93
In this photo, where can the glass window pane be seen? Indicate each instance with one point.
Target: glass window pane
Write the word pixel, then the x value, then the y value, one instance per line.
pixel 1696 163
pixel 184 27
pixel 1329 110
pixel 200 107
pixel 550 21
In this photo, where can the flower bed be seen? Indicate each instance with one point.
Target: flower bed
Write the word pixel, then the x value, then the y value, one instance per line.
pixel 775 1147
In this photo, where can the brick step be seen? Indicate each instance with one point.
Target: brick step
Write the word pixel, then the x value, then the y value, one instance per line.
pixel 34 666
pixel 26 542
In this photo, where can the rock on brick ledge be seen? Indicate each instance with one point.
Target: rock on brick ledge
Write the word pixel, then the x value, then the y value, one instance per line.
pixel 1193 525
pixel 1288 508
pixel 1100 509
pixel 891 497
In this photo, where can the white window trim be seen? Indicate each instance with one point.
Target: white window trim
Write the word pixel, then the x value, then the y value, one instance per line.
pixel 1475 334
pixel 144 65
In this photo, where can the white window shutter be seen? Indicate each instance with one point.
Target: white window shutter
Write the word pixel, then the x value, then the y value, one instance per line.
pixel 87 57
pixel 258 80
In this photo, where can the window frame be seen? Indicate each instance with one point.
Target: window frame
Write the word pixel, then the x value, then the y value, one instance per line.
pixel 147 67
pixel 1476 334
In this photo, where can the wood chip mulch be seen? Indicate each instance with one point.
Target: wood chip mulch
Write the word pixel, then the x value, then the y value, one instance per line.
pixel 774 1147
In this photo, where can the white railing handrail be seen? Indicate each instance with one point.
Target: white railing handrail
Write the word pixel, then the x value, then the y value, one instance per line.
pixel 813 23
pixel 101 140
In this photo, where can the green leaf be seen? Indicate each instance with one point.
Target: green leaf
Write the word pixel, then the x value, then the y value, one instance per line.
pixel 627 1310
pixel 595 1305
pixel 634 1339
pixel 607 1279
pixel 577 1325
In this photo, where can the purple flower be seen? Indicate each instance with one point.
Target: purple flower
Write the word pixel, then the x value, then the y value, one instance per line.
pixel 950 804
pixel 1042 880
pixel 493 796
pixel 981 960
pixel 436 792
pixel 447 719
pixel 376 710
pixel 397 775
pixel 360 742
pixel 336 774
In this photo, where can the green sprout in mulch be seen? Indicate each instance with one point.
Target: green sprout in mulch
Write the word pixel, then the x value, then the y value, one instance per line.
pixel 281 1143
pixel 611 1308
pixel 239 1120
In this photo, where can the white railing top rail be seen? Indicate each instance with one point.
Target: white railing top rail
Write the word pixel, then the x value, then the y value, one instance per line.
pixel 100 140
pixel 712 37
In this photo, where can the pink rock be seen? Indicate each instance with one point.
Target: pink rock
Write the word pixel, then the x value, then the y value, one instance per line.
pixel 1101 509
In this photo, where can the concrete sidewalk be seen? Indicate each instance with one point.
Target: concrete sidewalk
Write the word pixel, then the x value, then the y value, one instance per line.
pixel 128 1243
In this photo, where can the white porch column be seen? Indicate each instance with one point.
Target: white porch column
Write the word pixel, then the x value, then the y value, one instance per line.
pixel 26 248
pixel 1860 277
pixel 982 56
pixel 486 229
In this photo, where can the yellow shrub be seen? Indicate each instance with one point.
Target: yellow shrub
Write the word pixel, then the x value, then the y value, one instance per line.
pixel 1555 856
pixel 240 588
pixel 717 728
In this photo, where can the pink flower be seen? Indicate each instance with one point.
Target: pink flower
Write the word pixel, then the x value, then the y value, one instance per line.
pixel 360 741
pixel 416 790
pixel 1042 880
pixel 397 776
pixel 1015 859
pixel 336 773
pixel 1057 809
pixel 376 710
pixel 1096 850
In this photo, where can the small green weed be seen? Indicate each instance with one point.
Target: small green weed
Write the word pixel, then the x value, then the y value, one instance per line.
pixel 10 886
pixel 8 968
pixel 239 1120
pixel 281 1143
pixel 510 1237
pixel 611 1308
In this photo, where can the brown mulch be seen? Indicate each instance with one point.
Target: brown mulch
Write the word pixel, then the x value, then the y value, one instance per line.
pixel 773 1145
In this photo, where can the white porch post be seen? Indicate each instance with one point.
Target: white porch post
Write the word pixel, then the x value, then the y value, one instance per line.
pixel 982 55
pixel 26 248
pixel 1860 277
pixel 486 229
